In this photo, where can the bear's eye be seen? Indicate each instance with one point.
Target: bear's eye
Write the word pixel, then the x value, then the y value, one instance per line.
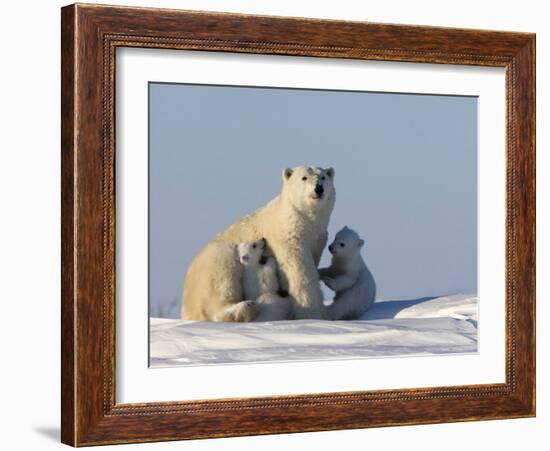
pixel 342 245
pixel 253 246
pixel 304 178
pixel 323 178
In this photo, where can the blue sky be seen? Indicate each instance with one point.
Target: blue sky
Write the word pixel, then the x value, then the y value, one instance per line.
pixel 406 176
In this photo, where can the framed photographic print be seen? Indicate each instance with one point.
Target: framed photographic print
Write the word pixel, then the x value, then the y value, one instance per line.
pixel 279 225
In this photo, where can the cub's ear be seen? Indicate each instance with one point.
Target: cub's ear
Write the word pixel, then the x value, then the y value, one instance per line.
pixel 287 172
pixel 330 172
pixel 240 249
pixel 360 243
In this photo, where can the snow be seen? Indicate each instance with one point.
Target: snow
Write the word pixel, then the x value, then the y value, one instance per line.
pixel 425 326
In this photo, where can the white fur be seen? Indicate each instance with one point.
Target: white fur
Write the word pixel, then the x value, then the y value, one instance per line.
pixel 295 227
pixel 258 277
pixel 260 282
pixel 349 277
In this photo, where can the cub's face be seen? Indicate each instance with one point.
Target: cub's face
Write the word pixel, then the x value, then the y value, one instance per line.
pixel 250 253
pixel 346 243
pixel 309 187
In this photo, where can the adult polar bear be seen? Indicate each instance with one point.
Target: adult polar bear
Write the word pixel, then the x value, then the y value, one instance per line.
pixel 294 225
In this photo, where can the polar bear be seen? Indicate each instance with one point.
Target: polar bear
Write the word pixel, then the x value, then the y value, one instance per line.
pixel 295 226
pixel 349 277
pixel 260 282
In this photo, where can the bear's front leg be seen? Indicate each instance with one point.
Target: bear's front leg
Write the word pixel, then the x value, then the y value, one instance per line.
pixel 339 283
pixel 303 285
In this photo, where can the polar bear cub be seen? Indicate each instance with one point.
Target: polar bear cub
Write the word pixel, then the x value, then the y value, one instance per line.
pixel 260 282
pixel 349 277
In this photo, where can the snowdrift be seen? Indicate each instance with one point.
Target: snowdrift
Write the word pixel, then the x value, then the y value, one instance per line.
pixel 426 326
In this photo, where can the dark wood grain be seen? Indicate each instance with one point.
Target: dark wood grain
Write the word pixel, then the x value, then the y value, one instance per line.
pixel 90 35
pixel 68 298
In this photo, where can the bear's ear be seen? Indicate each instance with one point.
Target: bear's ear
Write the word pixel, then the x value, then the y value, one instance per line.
pixel 330 172
pixel 287 172
pixel 360 243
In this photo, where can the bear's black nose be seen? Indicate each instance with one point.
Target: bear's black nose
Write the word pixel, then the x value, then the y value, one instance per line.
pixel 319 189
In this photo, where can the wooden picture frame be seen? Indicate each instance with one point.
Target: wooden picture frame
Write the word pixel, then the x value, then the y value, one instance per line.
pixel 90 35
